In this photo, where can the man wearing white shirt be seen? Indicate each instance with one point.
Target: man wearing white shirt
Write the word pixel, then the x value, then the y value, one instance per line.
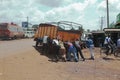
pixel 56 45
pixel 45 43
pixel 107 44
pixel 55 41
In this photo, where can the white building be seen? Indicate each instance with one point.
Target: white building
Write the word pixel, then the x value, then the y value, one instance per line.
pixel 29 32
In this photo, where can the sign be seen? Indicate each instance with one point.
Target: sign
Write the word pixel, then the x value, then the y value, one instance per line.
pixel 24 24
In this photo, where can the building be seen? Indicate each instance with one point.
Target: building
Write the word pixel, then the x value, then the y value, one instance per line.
pixel 118 21
pixel 98 38
pixel 29 29
pixel 115 31
pixel 29 32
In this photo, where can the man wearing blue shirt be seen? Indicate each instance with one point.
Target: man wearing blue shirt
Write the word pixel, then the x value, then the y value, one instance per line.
pixel 90 45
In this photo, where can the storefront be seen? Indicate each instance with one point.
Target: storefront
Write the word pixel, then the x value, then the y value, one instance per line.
pixel 114 33
pixel 98 38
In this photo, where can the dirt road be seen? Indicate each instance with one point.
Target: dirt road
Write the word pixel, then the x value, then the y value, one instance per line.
pixel 9 47
pixel 19 60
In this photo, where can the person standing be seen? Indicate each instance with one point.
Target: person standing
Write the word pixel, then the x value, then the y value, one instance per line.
pixel 78 48
pixel 56 47
pixel 90 45
pixel 118 43
pixel 45 43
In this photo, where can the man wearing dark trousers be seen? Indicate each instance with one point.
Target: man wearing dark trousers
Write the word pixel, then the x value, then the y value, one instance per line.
pixel 78 47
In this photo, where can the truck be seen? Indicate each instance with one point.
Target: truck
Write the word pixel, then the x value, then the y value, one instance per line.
pixel 64 30
pixel 11 31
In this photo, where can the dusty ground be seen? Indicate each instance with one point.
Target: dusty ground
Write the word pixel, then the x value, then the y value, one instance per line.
pixel 30 65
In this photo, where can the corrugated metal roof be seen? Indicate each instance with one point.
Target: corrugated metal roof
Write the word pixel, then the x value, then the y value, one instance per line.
pixel 111 29
pixel 98 32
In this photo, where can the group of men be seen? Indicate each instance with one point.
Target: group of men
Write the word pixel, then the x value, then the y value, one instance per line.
pixel 110 45
pixel 67 48
pixel 75 49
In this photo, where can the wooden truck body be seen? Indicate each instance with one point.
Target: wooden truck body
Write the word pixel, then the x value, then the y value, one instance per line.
pixel 54 31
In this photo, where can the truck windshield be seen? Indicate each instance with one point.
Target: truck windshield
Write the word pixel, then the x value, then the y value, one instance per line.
pixel 3 27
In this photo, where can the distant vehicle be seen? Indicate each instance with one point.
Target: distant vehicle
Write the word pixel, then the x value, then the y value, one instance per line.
pixel 64 30
pixel 10 31
pixel 29 32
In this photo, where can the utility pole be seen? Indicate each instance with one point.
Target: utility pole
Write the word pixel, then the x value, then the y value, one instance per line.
pixel 107 13
pixel 101 23
pixel 27 21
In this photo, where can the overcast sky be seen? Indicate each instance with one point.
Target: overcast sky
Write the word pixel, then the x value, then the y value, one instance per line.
pixel 85 12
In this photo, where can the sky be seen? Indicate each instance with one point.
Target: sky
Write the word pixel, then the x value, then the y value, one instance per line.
pixel 88 13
